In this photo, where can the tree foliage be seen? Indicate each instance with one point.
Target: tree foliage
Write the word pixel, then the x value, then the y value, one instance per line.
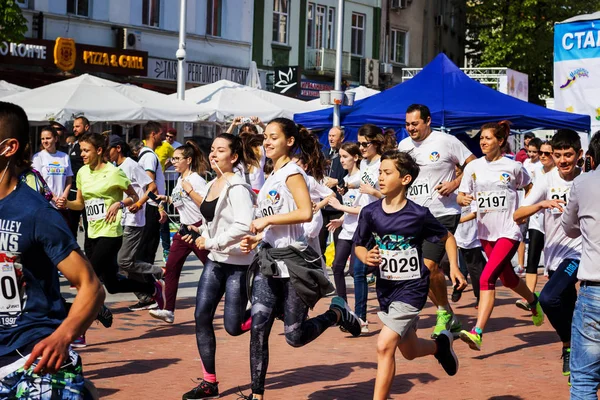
pixel 13 24
pixel 519 34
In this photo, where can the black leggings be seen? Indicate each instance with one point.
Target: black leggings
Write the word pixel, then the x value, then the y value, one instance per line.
pixel 218 279
pixel 103 256
pixel 270 297
pixel 343 249
pixel 536 245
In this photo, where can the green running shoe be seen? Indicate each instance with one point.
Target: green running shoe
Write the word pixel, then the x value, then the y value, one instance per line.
pixel 455 326
pixel 473 339
pixel 443 322
pixel 537 314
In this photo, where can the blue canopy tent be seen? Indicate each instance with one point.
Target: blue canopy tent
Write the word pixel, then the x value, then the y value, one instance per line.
pixel 457 103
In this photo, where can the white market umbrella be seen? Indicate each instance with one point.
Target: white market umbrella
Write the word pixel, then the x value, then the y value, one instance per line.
pixel 7 89
pixel 360 92
pixel 223 100
pixel 101 100
pixel 253 78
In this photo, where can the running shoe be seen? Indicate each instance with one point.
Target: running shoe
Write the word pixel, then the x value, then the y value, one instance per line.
pixel 364 326
pixel 443 322
pixel 537 314
pixel 445 353
pixel 371 280
pixel 159 293
pixel 79 343
pixel 455 326
pixel 566 357
pixel 473 339
pixel 456 294
pixel 247 325
pixel 523 305
pixel 143 305
pixel 520 271
pixel 205 390
pixel 105 317
pixel 163 315
pixel 348 319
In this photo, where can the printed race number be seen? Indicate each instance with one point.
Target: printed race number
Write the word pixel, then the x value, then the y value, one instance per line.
pixel 95 209
pixel 559 193
pixel 399 265
pixel 420 189
pixel 492 201
pixel 10 300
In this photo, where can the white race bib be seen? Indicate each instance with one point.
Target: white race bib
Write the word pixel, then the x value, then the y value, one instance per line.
pixel 95 209
pixel 399 265
pixel 10 299
pixel 558 193
pixel 490 201
pixel 420 189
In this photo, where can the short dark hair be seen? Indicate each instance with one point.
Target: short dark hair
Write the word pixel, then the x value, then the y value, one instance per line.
pixel 565 139
pixel 83 119
pixel 423 109
pixel 404 163
pixel 594 148
pixel 15 125
pixel 535 142
pixel 151 126
pixel 529 135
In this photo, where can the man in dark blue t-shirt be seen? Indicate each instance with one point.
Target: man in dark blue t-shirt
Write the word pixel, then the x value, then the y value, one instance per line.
pixel 35 330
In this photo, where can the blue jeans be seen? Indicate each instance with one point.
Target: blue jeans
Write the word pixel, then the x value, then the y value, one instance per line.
pixel 585 345
pixel 361 289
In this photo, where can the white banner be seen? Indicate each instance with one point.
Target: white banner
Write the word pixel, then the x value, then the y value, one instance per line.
pixel 577 69
pixel 166 70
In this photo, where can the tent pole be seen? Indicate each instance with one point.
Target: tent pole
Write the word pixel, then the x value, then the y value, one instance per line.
pixel 180 54
pixel 338 60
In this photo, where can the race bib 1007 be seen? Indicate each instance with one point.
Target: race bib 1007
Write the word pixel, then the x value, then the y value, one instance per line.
pixel 400 265
pixel 420 189
pixel 490 201
pixel 95 209
pixel 10 300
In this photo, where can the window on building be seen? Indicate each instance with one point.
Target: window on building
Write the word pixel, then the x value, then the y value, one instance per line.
pixel 23 3
pixel 357 42
pixel 398 48
pixel 331 28
pixel 280 21
pixel 78 7
pixel 320 26
pixel 150 12
pixel 213 17
pixel 310 25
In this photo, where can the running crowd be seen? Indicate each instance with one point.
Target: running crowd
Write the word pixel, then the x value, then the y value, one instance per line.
pixel 408 215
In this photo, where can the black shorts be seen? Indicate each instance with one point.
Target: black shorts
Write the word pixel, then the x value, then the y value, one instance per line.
pixel 435 251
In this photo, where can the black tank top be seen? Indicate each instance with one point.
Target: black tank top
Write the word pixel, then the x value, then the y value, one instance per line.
pixel 207 208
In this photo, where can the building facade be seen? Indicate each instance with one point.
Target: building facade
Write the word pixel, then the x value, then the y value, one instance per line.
pixel 218 43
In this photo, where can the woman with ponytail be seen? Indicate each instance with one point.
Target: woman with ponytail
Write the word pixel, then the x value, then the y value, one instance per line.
pixel 492 181
pixel 288 278
pixel 227 212
pixel 187 195
pixel 252 169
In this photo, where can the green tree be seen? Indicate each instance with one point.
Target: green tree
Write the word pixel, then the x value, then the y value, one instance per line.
pixel 13 24
pixel 519 34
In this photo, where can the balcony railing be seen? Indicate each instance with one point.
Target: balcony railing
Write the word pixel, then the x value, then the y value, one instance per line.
pixel 323 61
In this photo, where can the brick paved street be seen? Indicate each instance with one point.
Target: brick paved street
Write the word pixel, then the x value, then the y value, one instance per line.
pixel 142 358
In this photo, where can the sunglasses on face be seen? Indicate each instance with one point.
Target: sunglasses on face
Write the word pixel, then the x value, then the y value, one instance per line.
pixel 170 137
pixel 363 144
pixel 545 153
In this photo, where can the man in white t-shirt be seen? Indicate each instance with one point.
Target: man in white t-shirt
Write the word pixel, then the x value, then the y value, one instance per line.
pixel 438 154
pixel 562 254
pixel 155 215
pixel 581 218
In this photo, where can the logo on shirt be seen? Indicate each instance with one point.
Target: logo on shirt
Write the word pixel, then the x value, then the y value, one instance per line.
pixel 434 156
pixel 350 201
pixel 273 197
pixel 393 242
pixel 505 178
pixel 54 168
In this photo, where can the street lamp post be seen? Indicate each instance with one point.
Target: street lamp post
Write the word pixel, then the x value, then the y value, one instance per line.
pixel 338 60
pixel 180 54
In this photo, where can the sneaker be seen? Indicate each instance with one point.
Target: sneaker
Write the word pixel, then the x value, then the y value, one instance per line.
pixel 165 255
pixel 159 293
pixel 566 357
pixel 456 294
pixel 164 315
pixel 455 325
pixel 79 343
pixel 143 305
pixel 445 353
pixel 443 322
pixel 537 314
pixel 371 280
pixel 105 317
pixel 523 305
pixel 205 390
pixel 473 339
pixel 348 319
pixel 364 326
pixel 247 325
pixel 520 271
